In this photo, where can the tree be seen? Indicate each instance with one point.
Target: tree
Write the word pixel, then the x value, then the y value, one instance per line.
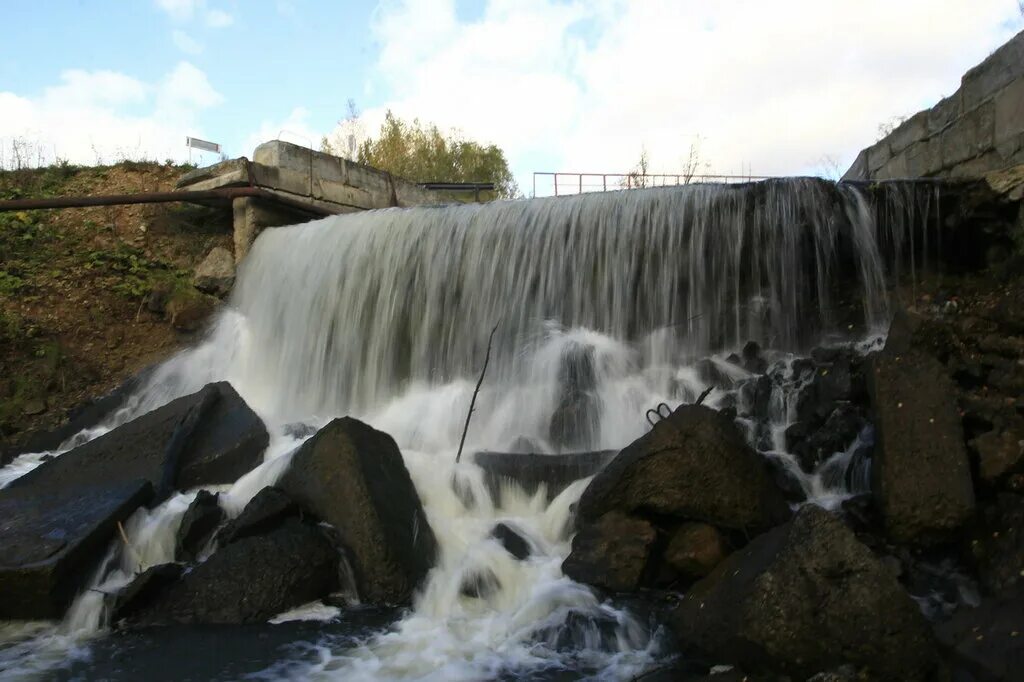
pixel 345 139
pixel 422 153
pixel 637 178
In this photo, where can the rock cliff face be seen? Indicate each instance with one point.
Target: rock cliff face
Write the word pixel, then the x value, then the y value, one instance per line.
pixel 977 129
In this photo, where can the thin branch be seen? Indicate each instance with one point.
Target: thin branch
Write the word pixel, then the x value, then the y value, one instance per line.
pixel 476 390
pixel 704 395
pixel 124 537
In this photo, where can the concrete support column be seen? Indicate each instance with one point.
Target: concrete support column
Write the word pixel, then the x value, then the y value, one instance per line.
pixel 245 225
pixel 252 215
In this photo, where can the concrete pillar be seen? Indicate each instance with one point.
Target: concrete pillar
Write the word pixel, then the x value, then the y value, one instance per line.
pixel 245 227
pixel 252 215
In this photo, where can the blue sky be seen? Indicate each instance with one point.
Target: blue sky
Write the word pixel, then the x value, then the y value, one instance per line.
pixel 781 87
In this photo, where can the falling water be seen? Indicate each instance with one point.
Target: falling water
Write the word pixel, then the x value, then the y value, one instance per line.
pixel 384 315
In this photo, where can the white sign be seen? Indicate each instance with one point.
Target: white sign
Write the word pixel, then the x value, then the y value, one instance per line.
pixel 196 143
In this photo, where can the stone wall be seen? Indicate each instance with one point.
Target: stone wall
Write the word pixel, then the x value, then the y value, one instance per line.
pixel 977 129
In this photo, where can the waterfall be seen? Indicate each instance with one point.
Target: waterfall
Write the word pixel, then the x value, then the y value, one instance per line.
pixel 384 315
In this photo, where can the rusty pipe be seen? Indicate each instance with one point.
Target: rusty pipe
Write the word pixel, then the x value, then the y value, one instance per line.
pixel 195 196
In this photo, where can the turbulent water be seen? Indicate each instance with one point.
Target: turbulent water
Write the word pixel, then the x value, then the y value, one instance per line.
pixel 385 315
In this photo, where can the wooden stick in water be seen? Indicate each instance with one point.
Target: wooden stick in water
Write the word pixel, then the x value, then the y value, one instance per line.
pixel 476 390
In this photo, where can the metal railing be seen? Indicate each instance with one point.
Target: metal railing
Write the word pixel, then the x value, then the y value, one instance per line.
pixel 566 183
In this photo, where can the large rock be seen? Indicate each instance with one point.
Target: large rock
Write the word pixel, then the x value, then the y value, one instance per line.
pixel 695 549
pixel 1001 454
pixel 529 471
pixel 807 597
pixel 188 311
pixel 49 541
pixel 921 477
pixel 268 508
pixel 988 641
pixel 574 424
pixel 216 274
pixel 143 588
pixel 611 553
pixel 251 580
pixel 353 477
pixel 225 442
pixel 198 524
pixel 996 544
pixel 694 465
pixel 68 507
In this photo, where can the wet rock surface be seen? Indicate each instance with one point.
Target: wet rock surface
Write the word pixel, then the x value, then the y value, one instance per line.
pixel 529 471
pixel 142 590
pixel 986 643
pixel 51 538
pixel 352 477
pixel 694 465
pixel 266 509
pixel 574 424
pixel 250 580
pixel 921 477
pixel 511 539
pixel 695 549
pixel 198 524
pixel 996 545
pixel 803 598
pixel 611 553
pixel 69 507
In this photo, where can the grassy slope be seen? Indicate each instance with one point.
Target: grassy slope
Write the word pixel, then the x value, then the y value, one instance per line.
pixel 73 284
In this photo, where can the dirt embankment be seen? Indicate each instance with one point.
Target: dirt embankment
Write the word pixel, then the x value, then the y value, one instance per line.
pixel 75 283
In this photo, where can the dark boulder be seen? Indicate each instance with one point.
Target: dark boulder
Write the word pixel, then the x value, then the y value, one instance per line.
pixel 266 510
pixel 921 477
pixel 250 580
pixel 530 471
pixel 835 435
pixel 756 397
pixel 711 374
pixel 996 545
pixel 142 590
pixel 807 597
pixel 574 424
pixel 695 549
pixel 1001 454
pixel 479 584
pixel 986 642
pixel 222 441
pixel 513 542
pixel 611 553
pixel 198 524
pixel 50 538
pixel 829 385
pixel 353 477
pixel 694 465
pixel 75 500
pixel 787 476
pixel 753 361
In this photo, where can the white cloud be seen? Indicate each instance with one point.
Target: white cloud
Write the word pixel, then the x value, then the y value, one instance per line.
pixel 216 18
pixel 769 86
pixel 181 10
pixel 294 128
pixel 185 10
pixel 94 116
pixel 186 43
